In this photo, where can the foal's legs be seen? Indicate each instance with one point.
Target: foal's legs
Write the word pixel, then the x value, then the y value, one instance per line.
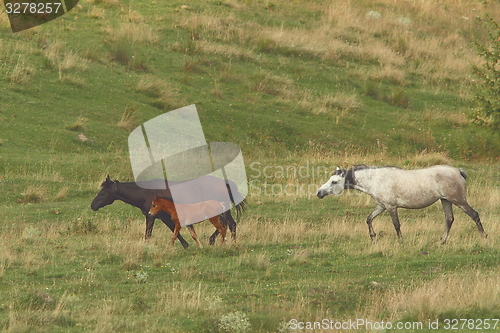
pixel 377 211
pixel 395 221
pixel 448 215
pixel 473 215
pixel 227 220
pixel 195 237
pixel 150 221
pixel 222 229
pixel 175 233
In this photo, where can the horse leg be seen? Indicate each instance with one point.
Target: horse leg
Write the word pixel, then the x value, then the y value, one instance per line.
pixel 171 225
pixel 227 220
pixel 175 233
pixel 222 229
pixel 474 216
pixel 195 237
pixel 395 221
pixel 212 238
pixel 232 224
pixel 150 222
pixel 377 211
pixel 448 215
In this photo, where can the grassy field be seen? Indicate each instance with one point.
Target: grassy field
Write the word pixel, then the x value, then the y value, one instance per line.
pixel 301 87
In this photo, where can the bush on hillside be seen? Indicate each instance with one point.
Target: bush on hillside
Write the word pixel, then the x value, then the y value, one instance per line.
pixel 487 90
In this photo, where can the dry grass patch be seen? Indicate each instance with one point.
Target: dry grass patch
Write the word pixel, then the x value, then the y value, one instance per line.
pixel 133 32
pixel 265 82
pixel 127 120
pixel 34 194
pixel 341 102
pixel 426 158
pixel 187 297
pixel 62 194
pixel 7 258
pixel 97 13
pixel 338 105
pixel 106 3
pixel 52 51
pixel 164 96
pixel 22 72
pixel 259 261
pixel 70 60
pixel 230 51
pixel 449 293
pixel 286 230
pixel 61 59
pixel 216 90
pixel 4 21
pixel 151 86
pixel 78 125
pixel 390 73
pixel 134 16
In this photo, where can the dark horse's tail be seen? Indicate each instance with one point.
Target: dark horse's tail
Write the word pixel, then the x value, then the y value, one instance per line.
pixel 237 197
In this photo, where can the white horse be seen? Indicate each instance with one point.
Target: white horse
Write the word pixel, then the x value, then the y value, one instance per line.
pixel 394 188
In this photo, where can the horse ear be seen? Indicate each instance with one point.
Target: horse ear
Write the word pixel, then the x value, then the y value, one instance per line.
pixel 338 171
pixel 108 181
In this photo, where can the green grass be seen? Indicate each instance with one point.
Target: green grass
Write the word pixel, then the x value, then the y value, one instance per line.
pixel 299 86
pixel 303 259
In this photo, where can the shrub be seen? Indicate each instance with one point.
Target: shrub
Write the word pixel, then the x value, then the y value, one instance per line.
pixel 235 322
pixel 487 90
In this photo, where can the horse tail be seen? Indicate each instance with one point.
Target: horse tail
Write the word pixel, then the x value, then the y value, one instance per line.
pixel 240 208
pixel 237 197
pixel 463 173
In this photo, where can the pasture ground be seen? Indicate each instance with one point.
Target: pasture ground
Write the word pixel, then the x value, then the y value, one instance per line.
pixel 305 85
pixel 65 268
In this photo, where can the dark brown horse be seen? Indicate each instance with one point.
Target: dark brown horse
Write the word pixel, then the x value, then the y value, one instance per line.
pixel 141 198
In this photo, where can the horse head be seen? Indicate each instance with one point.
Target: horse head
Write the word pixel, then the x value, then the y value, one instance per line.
pixel 106 196
pixel 155 207
pixel 335 185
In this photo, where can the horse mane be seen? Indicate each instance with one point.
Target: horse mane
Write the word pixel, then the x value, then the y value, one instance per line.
pixel 361 167
pixel 364 167
pixel 162 196
pixel 350 177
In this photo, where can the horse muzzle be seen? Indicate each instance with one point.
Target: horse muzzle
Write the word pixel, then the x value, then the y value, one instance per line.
pixel 321 194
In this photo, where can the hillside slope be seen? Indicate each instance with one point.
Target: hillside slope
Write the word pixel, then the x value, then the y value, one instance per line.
pixel 273 77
